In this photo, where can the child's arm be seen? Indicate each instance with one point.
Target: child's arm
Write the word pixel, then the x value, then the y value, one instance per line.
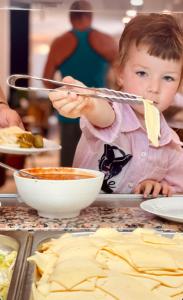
pixel 154 188
pixel 99 112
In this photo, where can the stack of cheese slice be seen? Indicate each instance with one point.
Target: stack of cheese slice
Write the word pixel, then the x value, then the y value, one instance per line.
pixel 110 265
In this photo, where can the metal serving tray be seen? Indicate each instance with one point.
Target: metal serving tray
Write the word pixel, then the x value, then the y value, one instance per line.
pixel 20 242
pixel 41 237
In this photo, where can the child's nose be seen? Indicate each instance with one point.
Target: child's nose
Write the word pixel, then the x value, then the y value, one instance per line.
pixel 154 87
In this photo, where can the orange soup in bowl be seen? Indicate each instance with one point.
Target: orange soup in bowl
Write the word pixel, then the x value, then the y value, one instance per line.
pixel 58 174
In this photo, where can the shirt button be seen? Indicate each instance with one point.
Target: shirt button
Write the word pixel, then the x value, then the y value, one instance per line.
pixel 143 154
pixel 130 185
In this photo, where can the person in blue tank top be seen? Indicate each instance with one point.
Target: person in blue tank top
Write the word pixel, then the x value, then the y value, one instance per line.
pixel 85 54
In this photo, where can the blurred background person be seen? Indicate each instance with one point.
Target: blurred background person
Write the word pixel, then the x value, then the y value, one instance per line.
pixel 85 54
pixel 8 116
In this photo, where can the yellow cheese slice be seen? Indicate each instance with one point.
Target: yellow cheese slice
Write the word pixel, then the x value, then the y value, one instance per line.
pixel 87 285
pixel 125 287
pixel 169 291
pixel 177 255
pixel 148 282
pixel 44 288
pixel 44 261
pixel 55 287
pixel 143 258
pixel 178 297
pixel 155 239
pixel 75 270
pixel 113 262
pixel 36 295
pixel 178 238
pixel 162 272
pixel 152 122
pixel 80 295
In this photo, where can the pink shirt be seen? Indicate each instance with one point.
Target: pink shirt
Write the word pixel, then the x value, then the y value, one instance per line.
pixel 124 153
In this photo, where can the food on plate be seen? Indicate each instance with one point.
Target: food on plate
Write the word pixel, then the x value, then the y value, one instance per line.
pixel 38 141
pixel 16 137
pixel 7 261
pixel 152 122
pixel 109 265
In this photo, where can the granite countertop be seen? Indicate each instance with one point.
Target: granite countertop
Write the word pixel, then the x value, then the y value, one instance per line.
pixel 115 214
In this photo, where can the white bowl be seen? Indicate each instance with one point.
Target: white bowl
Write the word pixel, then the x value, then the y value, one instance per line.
pixel 59 198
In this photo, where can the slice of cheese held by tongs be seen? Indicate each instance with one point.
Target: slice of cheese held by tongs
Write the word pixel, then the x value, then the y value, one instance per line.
pixel 152 116
pixel 152 122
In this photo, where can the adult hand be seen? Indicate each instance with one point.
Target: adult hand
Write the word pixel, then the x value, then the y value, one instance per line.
pixel 9 117
pixel 153 187
pixel 68 103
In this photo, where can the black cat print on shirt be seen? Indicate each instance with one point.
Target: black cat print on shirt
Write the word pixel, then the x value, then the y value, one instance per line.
pixel 111 163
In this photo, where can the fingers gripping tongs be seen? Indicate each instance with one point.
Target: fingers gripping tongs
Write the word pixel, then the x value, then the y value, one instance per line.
pixel 102 93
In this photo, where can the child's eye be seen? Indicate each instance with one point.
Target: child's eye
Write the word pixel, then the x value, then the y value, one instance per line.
pixel 169 78
pixel 141 73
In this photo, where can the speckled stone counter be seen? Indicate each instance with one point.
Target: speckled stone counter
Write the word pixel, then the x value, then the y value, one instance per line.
pixel 91 218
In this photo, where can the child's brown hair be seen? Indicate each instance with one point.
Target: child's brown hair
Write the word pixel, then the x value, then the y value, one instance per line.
pixel 161 33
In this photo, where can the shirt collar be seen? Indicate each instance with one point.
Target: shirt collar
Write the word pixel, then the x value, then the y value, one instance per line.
pixel 168 135
pixel 132 123
pixel 129 119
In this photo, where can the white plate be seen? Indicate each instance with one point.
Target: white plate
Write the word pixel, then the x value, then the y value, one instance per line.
pixel 49 145
pixel 170 208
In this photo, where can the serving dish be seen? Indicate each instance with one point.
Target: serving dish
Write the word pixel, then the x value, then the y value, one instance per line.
pixel 41 238
pixel 49 145
pixel 59 192
pixel 20 242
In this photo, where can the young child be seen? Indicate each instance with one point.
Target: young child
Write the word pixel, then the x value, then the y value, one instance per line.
pixel 114 138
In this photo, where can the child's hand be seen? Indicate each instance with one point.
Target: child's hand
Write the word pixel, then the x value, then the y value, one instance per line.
pixel 154 188
pixel 67 103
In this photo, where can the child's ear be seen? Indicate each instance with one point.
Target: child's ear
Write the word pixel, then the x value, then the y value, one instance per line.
pixel 120 82
pixel 119 79
pixel 180 88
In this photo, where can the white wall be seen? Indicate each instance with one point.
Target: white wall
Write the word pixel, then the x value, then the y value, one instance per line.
pixel 5 47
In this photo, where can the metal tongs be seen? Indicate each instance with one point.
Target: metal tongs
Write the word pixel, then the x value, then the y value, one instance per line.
pixel 102 93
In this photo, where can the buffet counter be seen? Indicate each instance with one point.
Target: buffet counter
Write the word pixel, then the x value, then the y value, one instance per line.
pixel 22 229
pixel 116 211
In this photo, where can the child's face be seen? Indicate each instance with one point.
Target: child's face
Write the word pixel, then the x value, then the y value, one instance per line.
pixel 150 77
